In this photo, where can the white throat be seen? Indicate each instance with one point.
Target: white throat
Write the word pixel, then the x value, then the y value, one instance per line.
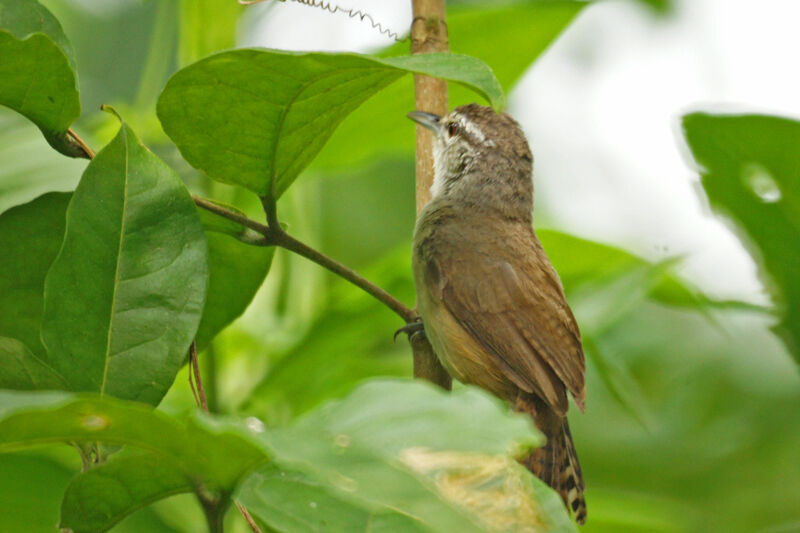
pixel 439 171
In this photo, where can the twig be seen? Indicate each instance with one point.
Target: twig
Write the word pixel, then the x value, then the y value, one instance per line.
pixel 247 517
pixel 81 143
pixel 231 215
pixel 285 240
pixel 274 235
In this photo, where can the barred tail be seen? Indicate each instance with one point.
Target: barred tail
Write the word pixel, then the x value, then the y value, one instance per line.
pixel 556 463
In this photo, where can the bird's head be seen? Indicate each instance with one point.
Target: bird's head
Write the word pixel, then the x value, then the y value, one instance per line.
pixel 478 150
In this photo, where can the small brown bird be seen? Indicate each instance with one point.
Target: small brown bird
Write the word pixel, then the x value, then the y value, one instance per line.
pixel 491 303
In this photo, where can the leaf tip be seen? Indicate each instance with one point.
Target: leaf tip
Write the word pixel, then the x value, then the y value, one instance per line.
pixel 108 109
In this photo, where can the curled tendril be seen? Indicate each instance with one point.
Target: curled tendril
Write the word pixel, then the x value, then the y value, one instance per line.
pixel 352 13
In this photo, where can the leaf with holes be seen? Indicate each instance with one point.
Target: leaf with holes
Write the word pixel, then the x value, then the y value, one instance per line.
pixel 749 168
pixel 37 73
pixel 123 299
pixel 257 118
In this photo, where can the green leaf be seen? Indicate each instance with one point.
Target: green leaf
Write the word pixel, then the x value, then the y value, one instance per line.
pixel 20 369
pixel 30 237
pixel 293 503
pixel 214 452
pixel 256 118
pixel 97 499
pixel 30 491
pixel 124 297
pixel 235 273
pixel 37 74
pixel 236 270
pixel 603 264
pixel 749 167
pixel 442 459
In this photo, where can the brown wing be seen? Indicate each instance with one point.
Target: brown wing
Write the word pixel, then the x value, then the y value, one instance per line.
pixel 514 305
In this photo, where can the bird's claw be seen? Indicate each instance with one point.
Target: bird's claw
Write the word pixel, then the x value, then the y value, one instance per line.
pixel 411 329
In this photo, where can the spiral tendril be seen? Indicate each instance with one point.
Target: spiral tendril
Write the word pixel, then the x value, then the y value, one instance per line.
pixel 352 13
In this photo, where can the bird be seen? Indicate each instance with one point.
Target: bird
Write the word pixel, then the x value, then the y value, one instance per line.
pixel 491 303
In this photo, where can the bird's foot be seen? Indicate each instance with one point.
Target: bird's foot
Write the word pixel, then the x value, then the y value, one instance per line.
pixel 411 329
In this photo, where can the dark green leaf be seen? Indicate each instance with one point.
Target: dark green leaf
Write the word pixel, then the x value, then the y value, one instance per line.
pixel 37 73
pixel 99 498
pixel 124 296
pixel 235 272
pixel 22 370
pixel 749 167
pixel 30 237
pixel 256 118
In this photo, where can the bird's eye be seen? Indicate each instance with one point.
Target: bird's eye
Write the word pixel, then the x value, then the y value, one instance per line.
pixel 452 128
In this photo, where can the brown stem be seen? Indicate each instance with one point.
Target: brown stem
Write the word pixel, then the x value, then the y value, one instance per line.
pixel 285 240
pixel 274 235
pixel 81 143
pixel 247 517
pixel 428 34
pixel 231 215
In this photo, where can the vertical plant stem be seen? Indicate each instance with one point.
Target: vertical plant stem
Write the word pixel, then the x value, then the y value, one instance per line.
pixel 428 34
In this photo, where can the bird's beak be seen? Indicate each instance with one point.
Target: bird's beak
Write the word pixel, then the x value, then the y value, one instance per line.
pixel 429 120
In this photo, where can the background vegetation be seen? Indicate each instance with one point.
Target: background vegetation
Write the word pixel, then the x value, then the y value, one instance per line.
pixel 691 415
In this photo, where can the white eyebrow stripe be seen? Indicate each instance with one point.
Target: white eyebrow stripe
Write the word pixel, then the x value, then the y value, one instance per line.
pixel 472 129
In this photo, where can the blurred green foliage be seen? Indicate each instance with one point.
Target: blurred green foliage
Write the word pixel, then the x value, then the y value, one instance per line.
pixel 691 415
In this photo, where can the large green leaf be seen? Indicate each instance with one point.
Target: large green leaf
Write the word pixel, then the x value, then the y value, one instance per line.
pixel 256 118
pixel 749 167
pixel 99 498
pixel 37 73
pixel 30 237
pixel 442 459
pixel 124 296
